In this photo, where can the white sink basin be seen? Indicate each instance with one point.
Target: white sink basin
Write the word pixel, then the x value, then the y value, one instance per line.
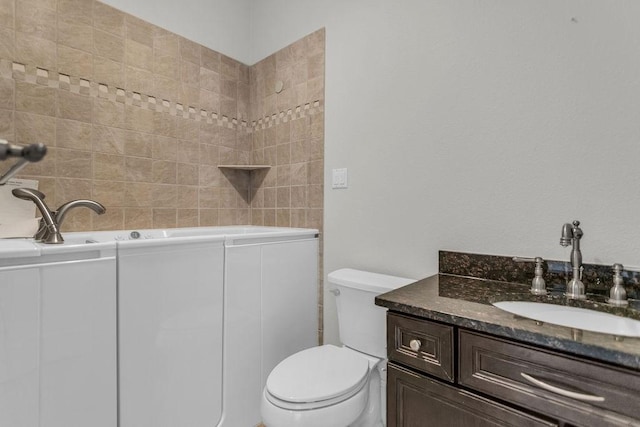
pixel 573 317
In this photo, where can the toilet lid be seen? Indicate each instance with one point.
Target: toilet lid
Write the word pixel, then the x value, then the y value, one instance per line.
pixel 317 374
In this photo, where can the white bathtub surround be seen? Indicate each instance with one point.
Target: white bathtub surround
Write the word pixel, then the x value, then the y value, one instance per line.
pixel 58 334
pixel 204 314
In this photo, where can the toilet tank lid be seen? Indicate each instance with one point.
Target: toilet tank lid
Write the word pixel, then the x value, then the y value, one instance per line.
pixel 366 280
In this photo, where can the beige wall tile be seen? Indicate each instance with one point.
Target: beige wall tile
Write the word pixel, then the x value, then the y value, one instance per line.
pixel 109 193
pixel 164 125
pixel 138 119
pixel 75 34
pixel 210 59
pixel 108 113
pixel 73 134
pixel 74 163
pixel 164 218
pixel 140 31
pixel 190 74
pixel 209 175
pixel 164 172
pixel 187 218
pixel 139 80
pixel 298 174
pixel 188 151
pixel 34 128
pixel 75 62
pixel 138 55
pixel 108 72
pixel 187 197
pixel 315 172
pixel 138 194
pixel 7 93
pixel 229 67
pixel 108 167
pixel 164 196
pixel 68 189
pixel 7 126
pixel 208 217
pixel 167 42
pixel 113 219
pixel 74 106
pixel 7 41
pixel 107 139
pixel 107 18
pixel 187 174
pixel 110 46
pixel 189 51
pixel 7 13
pixel 165 148
pixel 138 169
pixel 138 218
pixel 36 99
pixel 76 10
pixel 77 220
pixel 209 155
pixel 36 51
pixel 138 144
pixel 32 19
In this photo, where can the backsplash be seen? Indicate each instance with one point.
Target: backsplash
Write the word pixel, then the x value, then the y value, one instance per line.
pixel 139 118
pixel 598 279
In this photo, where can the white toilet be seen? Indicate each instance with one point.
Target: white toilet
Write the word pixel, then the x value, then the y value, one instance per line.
pixel 337 386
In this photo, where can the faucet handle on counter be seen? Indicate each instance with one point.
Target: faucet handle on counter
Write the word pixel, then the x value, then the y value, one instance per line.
pixel 538 285
pixel 617 294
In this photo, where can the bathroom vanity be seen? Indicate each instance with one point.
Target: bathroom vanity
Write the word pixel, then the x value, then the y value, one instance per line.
pixel 454 359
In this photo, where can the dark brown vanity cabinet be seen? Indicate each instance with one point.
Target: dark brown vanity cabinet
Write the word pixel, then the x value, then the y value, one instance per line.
pixel 497 382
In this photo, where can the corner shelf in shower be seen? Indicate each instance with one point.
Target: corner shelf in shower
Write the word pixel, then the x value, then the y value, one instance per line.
pixel 249 168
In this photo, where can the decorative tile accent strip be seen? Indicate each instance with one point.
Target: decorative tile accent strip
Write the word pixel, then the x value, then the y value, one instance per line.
pixel 79 85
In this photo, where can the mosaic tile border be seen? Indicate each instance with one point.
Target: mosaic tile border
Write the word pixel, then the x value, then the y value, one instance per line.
pixel 78 85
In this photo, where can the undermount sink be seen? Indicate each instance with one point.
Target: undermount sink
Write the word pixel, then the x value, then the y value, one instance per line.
pixel 573 317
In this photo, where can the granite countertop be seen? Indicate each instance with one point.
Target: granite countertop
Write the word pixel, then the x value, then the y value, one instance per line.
pixel 466 302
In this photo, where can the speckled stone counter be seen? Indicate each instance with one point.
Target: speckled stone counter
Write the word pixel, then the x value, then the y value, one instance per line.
pixel 466 302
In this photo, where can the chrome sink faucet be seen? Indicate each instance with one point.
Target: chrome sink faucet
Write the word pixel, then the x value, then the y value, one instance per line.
pixel 51 221
pixel 571 234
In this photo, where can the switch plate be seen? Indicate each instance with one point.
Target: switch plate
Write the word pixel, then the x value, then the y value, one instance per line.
pixel 339 178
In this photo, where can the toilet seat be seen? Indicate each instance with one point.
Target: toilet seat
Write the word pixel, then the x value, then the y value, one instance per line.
pixel 316 378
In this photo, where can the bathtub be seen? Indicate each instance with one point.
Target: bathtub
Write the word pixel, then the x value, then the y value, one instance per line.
pixel 204 314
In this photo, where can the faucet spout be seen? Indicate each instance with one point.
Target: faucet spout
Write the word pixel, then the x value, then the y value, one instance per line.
pixel 62 211
pixel 572 233
pixel 48 223
pixel 59 215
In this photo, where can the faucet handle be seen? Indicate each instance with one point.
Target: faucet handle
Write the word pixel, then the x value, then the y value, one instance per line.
pixel 617 294
pixel 538 285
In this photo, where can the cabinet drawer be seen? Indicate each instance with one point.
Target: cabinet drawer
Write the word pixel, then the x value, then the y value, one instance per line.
pixel 416 401
pixel 421 344
pixel 573 390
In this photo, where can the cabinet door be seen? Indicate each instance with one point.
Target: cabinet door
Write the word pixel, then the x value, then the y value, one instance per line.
pixel 416 401
pixel 170 333
pixel 78 344
pixel 19 324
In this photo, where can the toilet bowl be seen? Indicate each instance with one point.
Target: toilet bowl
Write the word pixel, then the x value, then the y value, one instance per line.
pixel 337 386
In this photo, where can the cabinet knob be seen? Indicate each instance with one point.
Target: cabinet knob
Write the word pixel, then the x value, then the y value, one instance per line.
pixel 415 345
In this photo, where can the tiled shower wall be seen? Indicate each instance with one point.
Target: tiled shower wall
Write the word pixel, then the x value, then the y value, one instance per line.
pixel 139 118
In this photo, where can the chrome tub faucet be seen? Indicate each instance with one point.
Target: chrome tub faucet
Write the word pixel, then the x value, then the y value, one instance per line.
pixel 51 221
pixel 571 234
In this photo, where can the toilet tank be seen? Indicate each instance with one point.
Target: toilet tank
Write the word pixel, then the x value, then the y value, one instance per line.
pixel 362 324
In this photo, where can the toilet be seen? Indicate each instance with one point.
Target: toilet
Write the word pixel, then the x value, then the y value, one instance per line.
pixel 337 386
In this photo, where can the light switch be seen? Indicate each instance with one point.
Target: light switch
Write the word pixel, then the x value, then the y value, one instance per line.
pixel 339 178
